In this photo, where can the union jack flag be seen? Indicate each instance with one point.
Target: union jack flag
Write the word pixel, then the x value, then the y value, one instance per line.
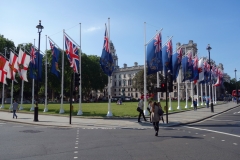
pixel 179 56
pixel 72 54
pixel 169 48
pixel 195 62
pixel 158 43
pixel 33 55
pixel 189 59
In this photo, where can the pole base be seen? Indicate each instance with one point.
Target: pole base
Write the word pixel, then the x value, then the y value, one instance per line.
pixel 146 113
pixel 2 107
pixel 170 108
pixel 21 108
pixel 32 108
pixel 191 105
pixel 201 104
pixel 79 113
pixel 45 109
pixel 186 106
pixel 178 107
pixel 61 111
pixel 10 108
pixel 109 114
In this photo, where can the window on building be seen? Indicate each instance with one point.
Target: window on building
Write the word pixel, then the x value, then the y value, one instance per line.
pixel 124 76
pixel 115 90
pixel 115 76
pixel 119 90
pixel 175 94
pixel 136 95
pixel 126 89
pixel 175 87
pixel 119 75
pixel 128 94
pixel 119 83
pixel 124 83
pixel 115 84
pixel 161 94
pixel 129 82
pixel 115 94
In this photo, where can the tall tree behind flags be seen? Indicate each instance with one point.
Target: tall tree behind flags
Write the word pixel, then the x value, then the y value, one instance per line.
pixel 167 56
pixel 55 56
pixel 176 62
pixel 154 54
pixel 106 60
pixel 35 64
pixel 72 54
pixel 23 63
pixel 4 68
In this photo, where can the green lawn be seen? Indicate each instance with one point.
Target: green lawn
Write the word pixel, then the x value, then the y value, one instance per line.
pixel 127 109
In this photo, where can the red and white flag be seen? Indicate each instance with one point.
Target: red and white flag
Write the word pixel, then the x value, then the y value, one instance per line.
pixel 13 66
pixel 23 63
pixel 4 66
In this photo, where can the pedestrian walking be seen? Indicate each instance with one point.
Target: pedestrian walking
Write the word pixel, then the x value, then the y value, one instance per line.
pixel 15 108
pixel 140 110
pixel 155 117
pixel 149 108
pixel 195 104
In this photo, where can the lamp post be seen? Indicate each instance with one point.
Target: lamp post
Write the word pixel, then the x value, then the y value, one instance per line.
pixel 211 102
pixel 236 86
pixel 39 27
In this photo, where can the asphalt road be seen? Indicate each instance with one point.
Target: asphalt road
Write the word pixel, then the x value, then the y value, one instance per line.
pixel 217 138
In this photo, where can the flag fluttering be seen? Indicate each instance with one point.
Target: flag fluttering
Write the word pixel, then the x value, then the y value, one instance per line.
pixel 54 63
pixel 4 68
pixel 106 60
pixel 13 66
pixel 35 64
pixel 167 57
pixel 72 54
pixel 176 62
pixel 23 63
pixel 154 55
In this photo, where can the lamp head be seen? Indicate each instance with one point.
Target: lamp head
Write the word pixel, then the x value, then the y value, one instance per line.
pixel 39 27
pixel 208 47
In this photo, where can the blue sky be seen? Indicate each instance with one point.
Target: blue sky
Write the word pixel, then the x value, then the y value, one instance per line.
pixel 205 22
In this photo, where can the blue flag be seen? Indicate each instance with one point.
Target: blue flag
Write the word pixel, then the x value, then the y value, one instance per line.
pixel 106 60
pixel 176 63
pixel 167 57
pixel 187 66
pixel 35 65
pixel 154 55
pixel 195 69
pixel 54 63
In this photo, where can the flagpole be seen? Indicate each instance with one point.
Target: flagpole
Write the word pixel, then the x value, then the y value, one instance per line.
pixel 3 87
pixel 10 108
pixel 186 95
pixel 170 101
pixel 210 98
pixel 201 95
pixel 32 108
pixel 109 114
pixel 213 97
pixel 192 93
pixel 145 44
pixel 145 74
pixel 61 109
pixel 197 94
pixel 80 84
pixel 158 97
pixel 179 107
pixel 45 108
pixel 205 93
pixel 21 106
pixel 215 94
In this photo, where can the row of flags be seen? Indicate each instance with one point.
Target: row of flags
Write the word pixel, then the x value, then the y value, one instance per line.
pixel 19 64
pixel 163 59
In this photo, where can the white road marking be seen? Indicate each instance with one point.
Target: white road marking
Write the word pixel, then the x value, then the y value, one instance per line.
pixel 196 133
pixel 76 143
pixel 75 157
pixel 212 137
pixel 235 143
pixel 223 140
pixel 214 131
pixel 76 152
pixel 204 135
pixel 76 147
pixel 76 138
pixel 223 120
pixel 17 126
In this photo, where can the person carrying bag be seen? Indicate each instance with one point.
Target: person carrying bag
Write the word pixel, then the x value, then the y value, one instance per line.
pixel 140 110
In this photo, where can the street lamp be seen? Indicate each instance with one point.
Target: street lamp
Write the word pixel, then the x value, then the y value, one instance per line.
pixel 211 103
pixel 236 87
pixel 39 27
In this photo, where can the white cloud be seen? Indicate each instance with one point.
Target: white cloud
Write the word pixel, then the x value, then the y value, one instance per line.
pixel 92 29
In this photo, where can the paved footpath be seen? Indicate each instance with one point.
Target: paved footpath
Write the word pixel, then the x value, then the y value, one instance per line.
pixel 174 119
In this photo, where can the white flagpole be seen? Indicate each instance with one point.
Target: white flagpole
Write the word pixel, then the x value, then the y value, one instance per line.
pixel 158 94
pixel 45 108
pixel 21 106
pixel 197 95
pixel 80 72
pixel 145 74
pixel 109 114
pixel 186 95
pixel 192 93
pixel 205 93
pixel 10 108
pixel 216 94
pixel 32 108
pixel 170 102
pixel 61 109
pixel 3 87
pixel 201 96
pixel 179 107
pixel 213 97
